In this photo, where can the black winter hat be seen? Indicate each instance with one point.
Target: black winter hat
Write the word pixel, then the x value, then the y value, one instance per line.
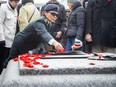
pixel 51 7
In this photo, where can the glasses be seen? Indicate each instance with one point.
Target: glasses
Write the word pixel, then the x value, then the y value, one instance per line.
pixel 68 11
pixel 54 14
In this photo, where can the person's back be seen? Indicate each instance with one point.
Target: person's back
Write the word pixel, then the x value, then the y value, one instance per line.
pixel 28 13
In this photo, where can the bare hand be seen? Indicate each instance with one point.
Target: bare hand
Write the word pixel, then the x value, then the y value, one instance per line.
pixel 88 37
pixel 59 34
pixel 58 46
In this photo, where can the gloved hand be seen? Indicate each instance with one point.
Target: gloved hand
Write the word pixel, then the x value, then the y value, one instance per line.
pixel 2 43
pixel 77 44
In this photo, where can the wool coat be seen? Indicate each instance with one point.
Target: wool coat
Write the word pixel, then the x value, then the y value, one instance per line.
pixel 27 14
pixel 108 23
pixel 93 20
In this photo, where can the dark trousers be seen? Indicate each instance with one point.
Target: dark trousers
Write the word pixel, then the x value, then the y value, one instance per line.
pixel 4 53
pixel 87 47
pixel 2 57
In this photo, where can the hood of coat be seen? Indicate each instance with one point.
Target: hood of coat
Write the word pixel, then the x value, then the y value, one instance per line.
pixel 76 4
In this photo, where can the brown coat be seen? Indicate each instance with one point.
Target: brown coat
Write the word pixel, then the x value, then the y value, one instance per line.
pixel 25 14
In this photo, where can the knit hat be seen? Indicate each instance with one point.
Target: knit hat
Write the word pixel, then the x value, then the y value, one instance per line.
pixel 51 7
pixel 72 1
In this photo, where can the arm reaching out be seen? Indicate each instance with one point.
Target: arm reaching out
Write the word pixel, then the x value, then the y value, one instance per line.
pixel 58 46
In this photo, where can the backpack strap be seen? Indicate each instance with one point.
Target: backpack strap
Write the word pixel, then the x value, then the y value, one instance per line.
pixel 31 15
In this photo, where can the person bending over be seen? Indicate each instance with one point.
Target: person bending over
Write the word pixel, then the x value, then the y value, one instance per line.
pixel 35 34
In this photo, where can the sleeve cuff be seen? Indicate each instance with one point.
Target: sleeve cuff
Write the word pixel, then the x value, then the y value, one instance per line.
pixel 51 41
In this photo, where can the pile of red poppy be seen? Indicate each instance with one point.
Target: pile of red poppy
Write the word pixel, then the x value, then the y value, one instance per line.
pixel 29 60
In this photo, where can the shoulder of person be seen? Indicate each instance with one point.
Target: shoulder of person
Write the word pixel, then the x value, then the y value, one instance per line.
pixel 4 6
pixel 80 8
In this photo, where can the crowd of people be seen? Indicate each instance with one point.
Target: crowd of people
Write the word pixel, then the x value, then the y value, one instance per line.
pixel 91 25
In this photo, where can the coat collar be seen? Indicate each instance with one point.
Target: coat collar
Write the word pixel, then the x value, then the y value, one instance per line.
pixel 9 6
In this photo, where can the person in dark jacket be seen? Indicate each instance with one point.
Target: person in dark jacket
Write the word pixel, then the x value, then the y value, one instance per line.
pixel 0 2
pixel 100 23
pixel 108 26
pixel 35 34
pixel 56 29
pixel 93 23
pixel 1 54
pixel 75 23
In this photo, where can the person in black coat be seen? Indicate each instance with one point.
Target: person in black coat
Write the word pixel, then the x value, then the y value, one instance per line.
pixel 108 24
pixel 93 23
pixel 35 34
pixel 101 25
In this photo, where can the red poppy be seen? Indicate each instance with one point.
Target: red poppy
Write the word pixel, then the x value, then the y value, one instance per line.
pixel 26 64
pixel 15 59
pixel 30 66
pixel 100 56
pixel 91 63
pixel 45 66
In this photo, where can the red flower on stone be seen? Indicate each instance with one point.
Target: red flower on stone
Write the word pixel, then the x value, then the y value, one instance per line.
pixel 15 59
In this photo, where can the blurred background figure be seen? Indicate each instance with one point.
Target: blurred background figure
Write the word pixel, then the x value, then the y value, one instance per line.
pixel 108 26
pixel 56 29
pixel 93 24
pixel 0 2
pixel 101 25
pixel 75 24
pixel 67 11
pixel 27 13
pixel 64 38
pixel 18 8
pixel 8 19
pixel 1 54
pixel 85 2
